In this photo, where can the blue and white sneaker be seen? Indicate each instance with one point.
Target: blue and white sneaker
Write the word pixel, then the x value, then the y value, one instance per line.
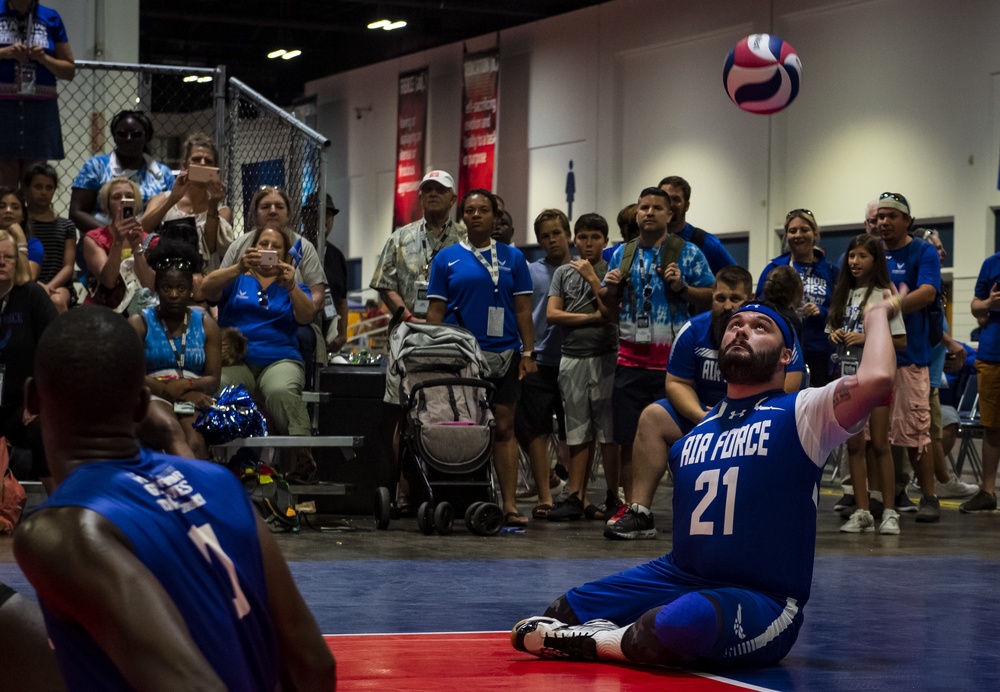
pixel 549 638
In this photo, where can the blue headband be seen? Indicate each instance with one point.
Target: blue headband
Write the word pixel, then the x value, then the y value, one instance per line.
pixel 781 322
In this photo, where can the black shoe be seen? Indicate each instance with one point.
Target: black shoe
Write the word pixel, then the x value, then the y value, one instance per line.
pixel 632 525
pixel 569 509
pixel 846 501
pixel 930 510
pixel 904 505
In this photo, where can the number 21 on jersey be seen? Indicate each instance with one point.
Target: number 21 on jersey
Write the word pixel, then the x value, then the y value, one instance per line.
pixel 708 480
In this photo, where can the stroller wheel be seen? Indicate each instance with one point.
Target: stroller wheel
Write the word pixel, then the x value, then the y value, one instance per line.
pixel 444 517
pixel 468 517
pixel 383 508
pixel 487 519
pixel 425 518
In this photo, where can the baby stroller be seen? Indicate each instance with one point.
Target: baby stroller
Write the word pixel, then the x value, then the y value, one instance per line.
pixel 446 438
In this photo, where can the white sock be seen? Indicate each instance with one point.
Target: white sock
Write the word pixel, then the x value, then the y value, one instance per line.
pixel 876 495
pixel 609 644
pixel 639 508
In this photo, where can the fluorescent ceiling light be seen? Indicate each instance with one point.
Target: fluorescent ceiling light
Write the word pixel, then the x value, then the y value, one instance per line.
pixel 276 53
pixel 191 78
pixel 379 24
pixel 395 25
pixel 206 78
pixel 291 54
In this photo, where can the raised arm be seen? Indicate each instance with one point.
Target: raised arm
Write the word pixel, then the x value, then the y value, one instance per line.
pixel 856 395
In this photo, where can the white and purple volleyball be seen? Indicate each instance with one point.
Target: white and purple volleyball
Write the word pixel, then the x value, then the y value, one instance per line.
pixel 762 74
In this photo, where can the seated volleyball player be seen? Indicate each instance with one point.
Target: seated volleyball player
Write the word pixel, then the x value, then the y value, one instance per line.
pixel 731 592
pixel 153 571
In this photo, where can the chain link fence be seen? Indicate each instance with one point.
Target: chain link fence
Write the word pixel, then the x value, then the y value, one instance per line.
pixel 258 142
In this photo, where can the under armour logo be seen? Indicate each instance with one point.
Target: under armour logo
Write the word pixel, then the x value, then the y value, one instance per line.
pixel 737 414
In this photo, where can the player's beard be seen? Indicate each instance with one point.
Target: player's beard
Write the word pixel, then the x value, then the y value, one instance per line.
pixel 749 366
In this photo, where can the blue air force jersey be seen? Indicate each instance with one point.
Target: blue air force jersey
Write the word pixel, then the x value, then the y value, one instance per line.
pixel 915 266
pixel 746 482
pixel 461 280
pixel 192 525
pixel 695 357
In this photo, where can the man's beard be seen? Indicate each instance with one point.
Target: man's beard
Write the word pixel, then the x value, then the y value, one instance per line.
pixel 753 367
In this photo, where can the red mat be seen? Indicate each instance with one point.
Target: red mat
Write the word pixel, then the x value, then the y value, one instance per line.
pixel 486 661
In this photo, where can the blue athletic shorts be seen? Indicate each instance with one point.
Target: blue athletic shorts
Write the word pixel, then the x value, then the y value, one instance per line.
pixel 754 629
pixel 683 423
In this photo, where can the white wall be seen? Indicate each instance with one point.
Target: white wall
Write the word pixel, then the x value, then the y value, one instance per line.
pixel 105 30
pixel 896 95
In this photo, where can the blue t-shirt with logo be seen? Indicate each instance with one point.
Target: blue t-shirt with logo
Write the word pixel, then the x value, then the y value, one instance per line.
pixel 464 284
pixel 923 270
pixel 989 338
pixel 818 281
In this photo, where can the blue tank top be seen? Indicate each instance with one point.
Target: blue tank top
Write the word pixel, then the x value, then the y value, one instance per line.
pixel 191 523
pixel 746 480
pixel 160 356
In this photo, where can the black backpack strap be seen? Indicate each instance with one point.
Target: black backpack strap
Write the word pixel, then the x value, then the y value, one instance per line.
pixel 698 236
pixel 628 257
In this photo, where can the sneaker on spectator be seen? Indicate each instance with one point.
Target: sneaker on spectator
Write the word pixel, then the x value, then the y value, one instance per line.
pixel 980 503
pixel 548 638
pixel 890 523
pixel 930 510
pixel 956 488
pixel 569 509
pixel 846 501
pixel 632 525
pixel 619 513
pixel 860 522
pixel 904 503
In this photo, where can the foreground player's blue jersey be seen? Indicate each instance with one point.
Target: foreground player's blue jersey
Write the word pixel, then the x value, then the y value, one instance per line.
pixel 746 482
pixel 192 525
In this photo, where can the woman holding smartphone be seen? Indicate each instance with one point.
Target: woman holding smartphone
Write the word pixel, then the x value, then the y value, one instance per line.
pixel 258 295
pixel 114 254
pixel 197 193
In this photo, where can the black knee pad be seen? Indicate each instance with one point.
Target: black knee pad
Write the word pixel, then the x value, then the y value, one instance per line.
pixel 561 611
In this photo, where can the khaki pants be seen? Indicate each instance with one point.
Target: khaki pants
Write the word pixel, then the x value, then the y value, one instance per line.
pixel 277 388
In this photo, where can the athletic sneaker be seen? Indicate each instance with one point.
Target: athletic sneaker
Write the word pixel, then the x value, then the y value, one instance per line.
pixel 846 501
pixel 548 638
pixel 860 522
pixel 890 523
pixel 874 506
pixel 616 517
pixel 633 525
pixel 568 509
pixel 956 488
pixel 904 503
pixel 982 502
pixel 930 510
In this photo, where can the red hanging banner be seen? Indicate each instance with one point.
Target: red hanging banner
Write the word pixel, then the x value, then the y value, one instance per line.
pixel 480 107
pixel 410 137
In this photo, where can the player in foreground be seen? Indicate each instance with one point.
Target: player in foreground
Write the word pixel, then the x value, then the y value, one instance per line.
pixel 746 478
pixel 153 571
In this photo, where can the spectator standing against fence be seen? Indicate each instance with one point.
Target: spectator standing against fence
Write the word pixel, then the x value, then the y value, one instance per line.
pixel 34 53
pixel 197 194
pixel 132 132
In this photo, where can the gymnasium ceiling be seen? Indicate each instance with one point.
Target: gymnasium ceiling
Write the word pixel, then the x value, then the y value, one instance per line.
pixel 332 34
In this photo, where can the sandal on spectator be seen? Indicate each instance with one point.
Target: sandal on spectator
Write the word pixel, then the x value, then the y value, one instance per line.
pixel 514 519
pixel 541 511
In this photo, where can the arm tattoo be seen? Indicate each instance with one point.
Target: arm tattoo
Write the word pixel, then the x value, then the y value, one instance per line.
pixel 843 391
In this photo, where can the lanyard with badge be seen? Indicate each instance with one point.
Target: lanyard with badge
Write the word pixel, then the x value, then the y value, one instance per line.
pixel 421 304
pixel 643 327
pixel 25 70
pixel 494 317
pixel 181 407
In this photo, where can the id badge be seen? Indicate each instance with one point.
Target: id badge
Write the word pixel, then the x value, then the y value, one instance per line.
pixel 848 367
pixel 27 71
pixel 421 305
pixel 643 332
pixel 184 408
pixel 494 322
pixel 329 311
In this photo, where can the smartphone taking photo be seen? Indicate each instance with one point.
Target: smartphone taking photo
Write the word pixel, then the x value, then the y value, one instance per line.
pixel 127 207
pixel 202 174
pixel 268 258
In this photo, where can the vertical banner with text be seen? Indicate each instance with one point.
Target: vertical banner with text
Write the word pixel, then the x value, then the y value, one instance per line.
pixel 410 137
pixel 480 96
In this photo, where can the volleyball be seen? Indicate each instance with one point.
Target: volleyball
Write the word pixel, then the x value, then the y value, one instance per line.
pixel 762 74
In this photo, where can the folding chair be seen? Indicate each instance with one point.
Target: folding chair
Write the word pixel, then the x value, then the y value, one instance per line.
pixel 969 430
